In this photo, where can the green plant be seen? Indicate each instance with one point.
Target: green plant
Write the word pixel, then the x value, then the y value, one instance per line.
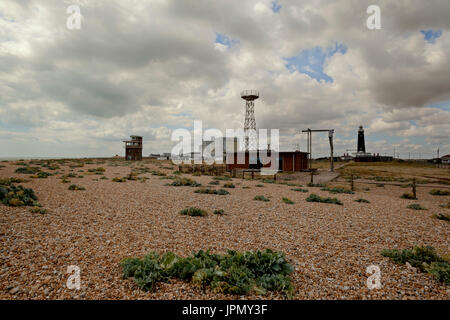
pixel 380 185
pixel 362 200
pixel 222 178
pixel 424 258
pixel 220 211
pixel 436 192
pixel 9 181
pixel 179 182
pixel 317 185
pixel 214 183
pixel 220 192
pixel 337 190
pixel 38 210
pixel 116 179
pixel 158 173
pixel 288 201
pixel 18 196
pixel 408 196
pixel 232 273
pixel 229 185
pixel 177 172
pixel 99 170
pixel 416 206
pixel 27 170
pixel 447 205
pixel 43 175
pixel 442 216
pixel 260 186
pixel 261 198
pixel 300 190
pixel 197 174
pixel 74 187
pixel 194 212
pixel 315 198
pixel 268 181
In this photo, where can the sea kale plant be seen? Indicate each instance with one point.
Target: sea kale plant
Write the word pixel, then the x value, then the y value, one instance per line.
pixel 232 273
pixel 424 258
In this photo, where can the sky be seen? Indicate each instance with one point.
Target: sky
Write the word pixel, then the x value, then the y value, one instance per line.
pixel 149 67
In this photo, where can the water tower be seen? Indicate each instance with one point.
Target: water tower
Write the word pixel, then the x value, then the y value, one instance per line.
pixel 251 139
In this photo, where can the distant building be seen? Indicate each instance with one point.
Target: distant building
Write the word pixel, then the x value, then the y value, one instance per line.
pixel 133 148
pixel 445 159
pixel 289 161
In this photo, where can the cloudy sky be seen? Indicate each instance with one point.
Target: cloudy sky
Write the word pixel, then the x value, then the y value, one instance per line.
pixel 149 67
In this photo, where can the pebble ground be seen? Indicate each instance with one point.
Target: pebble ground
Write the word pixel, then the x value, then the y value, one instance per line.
pixel 330 246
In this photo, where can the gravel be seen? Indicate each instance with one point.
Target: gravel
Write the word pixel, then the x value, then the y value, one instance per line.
pixel 329 246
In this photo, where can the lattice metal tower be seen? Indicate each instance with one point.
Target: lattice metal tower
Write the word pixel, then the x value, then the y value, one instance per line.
pixel 251 139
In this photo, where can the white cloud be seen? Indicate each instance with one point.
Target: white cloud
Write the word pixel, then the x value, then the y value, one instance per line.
pixel 146 67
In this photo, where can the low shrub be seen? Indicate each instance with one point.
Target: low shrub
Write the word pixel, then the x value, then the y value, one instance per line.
pixel 214 183
pixel 117 179
pixel 315 198
pixel 27 170
pixel 197 174
pixel 380 185
pixel 9 181
pixel 269 181
pixel 38 210
pixel 220 192
pixel 18 196
pixel 74 187
pixel 416 206
pixel 219 212
pixel 424 258
pixel 317 185
pixel 288 201
pixel 99 170
pixel 260 186
pixel 362 200
pixel 43 175
pixel 442 216
pixel 447 205
pixel 181 182
pixel 408 196
pixel 337 190
pixel 232 273
pixel 222 178
pixel 229 185
pixel 158 173
pixel 436 192
pixel 194 212
pixel 261 198
pixel 300 190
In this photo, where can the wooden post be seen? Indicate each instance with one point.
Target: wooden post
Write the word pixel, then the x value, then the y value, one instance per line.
pixel 234 173
pixel 414 188
pixel 253 174
pixel 352 185
pixel 275 177
pixel 243 174
pixel 312 176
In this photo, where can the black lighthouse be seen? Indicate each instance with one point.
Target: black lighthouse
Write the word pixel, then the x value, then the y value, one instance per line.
pixel 361 143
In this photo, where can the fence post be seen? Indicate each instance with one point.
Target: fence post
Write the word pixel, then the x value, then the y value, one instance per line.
pixel 312 176
pixel 414 188
pixel 352 185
